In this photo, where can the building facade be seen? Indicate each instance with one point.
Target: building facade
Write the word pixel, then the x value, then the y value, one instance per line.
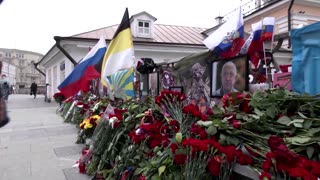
pixel 289 14
pixel 162 43
pixel 19 67
pixel 9 72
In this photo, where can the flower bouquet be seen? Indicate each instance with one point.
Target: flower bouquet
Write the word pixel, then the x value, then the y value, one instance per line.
pixel 87 127
pixel 59 97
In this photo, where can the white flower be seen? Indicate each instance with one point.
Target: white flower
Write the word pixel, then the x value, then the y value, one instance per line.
pixel 112 121
pixel 96 106
pixel 138 131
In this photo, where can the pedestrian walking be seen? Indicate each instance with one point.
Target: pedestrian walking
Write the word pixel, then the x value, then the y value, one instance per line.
pixel 33 89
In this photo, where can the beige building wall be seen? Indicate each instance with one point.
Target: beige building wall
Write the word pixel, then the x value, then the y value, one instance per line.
pixel 300 14
pixel 25 71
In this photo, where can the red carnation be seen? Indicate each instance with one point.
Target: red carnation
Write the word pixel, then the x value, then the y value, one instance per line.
pixel 179 159
pixel 315 168
pixel 214 166
pixel 174 147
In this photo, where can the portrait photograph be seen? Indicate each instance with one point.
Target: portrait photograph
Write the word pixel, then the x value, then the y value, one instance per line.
pixel 153 84
pixel 229 75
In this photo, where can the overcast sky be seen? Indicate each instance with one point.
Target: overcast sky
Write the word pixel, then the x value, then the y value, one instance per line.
pixel 31 24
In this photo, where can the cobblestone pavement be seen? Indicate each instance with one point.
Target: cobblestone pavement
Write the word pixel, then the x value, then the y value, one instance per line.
pixel 37 144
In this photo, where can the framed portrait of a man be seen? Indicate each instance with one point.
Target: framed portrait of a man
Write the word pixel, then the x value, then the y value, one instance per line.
pixel 153 84
pixel 229 75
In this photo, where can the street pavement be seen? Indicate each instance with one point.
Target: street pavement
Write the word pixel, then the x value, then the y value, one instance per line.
pixel 37 144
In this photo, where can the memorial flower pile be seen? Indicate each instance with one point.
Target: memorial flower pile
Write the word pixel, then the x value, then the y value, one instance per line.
pixel 275 133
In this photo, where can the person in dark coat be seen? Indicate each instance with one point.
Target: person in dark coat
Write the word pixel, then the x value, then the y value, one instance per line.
pixel 33 89
pixel 4 119
pixel 5 90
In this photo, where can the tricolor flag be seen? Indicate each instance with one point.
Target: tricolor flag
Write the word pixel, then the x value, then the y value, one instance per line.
pixel 229 38
pixel 256 45
pixel 120 51
pixel 267 28
pixel 86 70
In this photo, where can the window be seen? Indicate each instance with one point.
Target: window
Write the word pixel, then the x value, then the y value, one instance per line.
pixel 144 27
pixel 22 56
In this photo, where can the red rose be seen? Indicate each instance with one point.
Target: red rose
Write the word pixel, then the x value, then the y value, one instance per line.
pixel 225 100
pixel 276 144
pixel 142 177
pixel 179 159
pixel 209 112
pixel 236 124
pixel 203 117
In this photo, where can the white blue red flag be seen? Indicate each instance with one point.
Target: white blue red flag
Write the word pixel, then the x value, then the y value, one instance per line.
pixel 267 28
pixel 228 39
pixel 89 68
pixel 254 46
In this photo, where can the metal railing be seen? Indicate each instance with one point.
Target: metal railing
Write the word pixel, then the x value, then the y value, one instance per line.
pixel 250 7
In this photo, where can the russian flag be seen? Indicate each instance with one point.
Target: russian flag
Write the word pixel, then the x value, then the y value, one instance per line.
pixel 229 38
pixel 256 45
pixel 267 28
pixel 89 68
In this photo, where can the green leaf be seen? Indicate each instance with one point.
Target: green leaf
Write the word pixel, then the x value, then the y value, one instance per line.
pixel 258 112
pixel 239 116
pixel 272 111
pixel 161 170
pixel 313 131
pixel 297 123
pixel 285 120
pixel 302 115
pixel 310 151
pixel 307 124
pixel 232 140
pixel 217 110
pixel 205 123
pixel 137 171
pixel 211 130
pixel 128 118
pixel 255 116
pixel 139 115
pixel 246 118
pixel 299 140
pixel 133 107
pixel 155 177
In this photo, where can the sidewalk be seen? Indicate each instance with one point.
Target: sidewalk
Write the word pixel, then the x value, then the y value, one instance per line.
pixel 37 144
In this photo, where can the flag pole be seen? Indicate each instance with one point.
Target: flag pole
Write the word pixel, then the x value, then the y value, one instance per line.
pixel 264 56
pixel 275 63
